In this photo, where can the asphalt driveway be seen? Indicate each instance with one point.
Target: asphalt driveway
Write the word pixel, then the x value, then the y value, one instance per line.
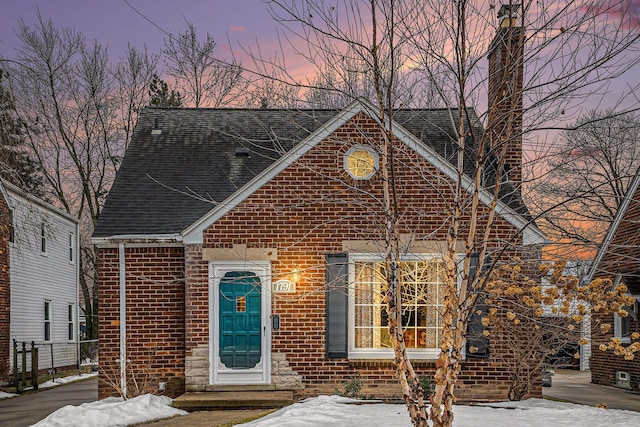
pixel 576 387
pixel 30 408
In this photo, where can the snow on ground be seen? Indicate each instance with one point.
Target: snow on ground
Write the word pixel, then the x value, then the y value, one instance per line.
pixel 333 410
pixel 4 395
pixel 330 411
pixel 112 411
pixel 51 383
pixel 64 380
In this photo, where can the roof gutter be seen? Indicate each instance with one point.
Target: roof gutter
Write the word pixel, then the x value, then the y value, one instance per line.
pixel 139 240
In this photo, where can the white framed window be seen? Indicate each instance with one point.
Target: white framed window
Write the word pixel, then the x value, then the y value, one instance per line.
pixel 422 280
pixel 72 246
pixel 43 239
pixel 47 320
pixel 622 327
pixel 361 162
pixel 71 323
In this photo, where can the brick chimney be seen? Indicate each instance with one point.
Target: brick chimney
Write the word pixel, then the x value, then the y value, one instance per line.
pixel 505 92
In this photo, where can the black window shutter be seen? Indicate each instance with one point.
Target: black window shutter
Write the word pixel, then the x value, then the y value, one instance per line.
pixel 475 328
pixel 337 305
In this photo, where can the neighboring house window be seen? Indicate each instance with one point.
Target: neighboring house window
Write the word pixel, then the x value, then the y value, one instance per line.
pixel 72 244
pixel 43 239
pixel 622 326
pixel 12 228
pixel 422 284
pixel 47 320
pixel 70 323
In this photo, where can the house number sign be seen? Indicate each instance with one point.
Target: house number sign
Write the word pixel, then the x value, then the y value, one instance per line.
pixel 283 286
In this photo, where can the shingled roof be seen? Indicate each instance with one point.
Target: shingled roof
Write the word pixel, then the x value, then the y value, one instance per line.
pixel 181 162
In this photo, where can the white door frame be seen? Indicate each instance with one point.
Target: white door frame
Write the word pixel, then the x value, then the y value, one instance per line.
pixel 218 373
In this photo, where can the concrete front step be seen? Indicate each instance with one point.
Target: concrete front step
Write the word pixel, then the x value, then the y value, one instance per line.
pixel 248 387
pixel 230 400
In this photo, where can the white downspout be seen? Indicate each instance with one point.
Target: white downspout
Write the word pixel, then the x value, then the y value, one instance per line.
pixel 123 321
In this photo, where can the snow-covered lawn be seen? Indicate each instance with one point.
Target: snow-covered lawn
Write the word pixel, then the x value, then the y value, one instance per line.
pixel 331 411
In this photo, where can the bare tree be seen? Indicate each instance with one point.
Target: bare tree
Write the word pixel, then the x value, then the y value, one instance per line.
pixel 568 50
pixel 204 80
pixel 16 165
pixel 65 94
pixel 133 75
pixel 270 93
pixel 588 175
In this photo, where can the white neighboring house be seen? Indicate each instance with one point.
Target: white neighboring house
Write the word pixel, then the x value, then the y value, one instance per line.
pixel 43 279
pixel 579 269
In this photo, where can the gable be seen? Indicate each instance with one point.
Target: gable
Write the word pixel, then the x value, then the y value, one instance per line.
pixel 531 235
pixel 177 180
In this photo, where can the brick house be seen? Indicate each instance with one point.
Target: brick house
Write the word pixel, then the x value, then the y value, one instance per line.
pixel 247 244
pixel 38 280
pixel 619 258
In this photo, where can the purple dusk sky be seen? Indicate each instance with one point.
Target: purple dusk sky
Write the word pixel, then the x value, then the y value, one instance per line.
pixel 235 22
pixel 114 23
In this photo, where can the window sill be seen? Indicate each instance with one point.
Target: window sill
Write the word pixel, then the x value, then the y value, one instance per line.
pixel 388 363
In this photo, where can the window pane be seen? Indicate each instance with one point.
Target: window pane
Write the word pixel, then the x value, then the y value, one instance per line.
pixel 70 323
pixel 12 236
pixel 625 327
pixel 43 239
pixel 422 283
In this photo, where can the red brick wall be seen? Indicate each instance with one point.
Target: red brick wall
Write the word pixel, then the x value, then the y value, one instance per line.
pixel 306 212
pixel 155 318
pixel 605 364
pixel 5 291
pixel 197 291
pixel 623 256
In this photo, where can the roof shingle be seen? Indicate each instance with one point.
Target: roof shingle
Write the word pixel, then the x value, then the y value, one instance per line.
pixel 169 180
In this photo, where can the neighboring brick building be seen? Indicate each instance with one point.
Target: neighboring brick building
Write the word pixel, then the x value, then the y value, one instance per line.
pixel 619 258
pixel 248 242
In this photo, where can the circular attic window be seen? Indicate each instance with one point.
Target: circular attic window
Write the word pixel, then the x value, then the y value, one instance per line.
pixel 361 162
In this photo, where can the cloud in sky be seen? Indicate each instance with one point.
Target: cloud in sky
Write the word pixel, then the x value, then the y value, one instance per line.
pixel 627 12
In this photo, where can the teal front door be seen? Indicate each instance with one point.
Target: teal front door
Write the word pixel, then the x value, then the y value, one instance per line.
pixel 240 320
